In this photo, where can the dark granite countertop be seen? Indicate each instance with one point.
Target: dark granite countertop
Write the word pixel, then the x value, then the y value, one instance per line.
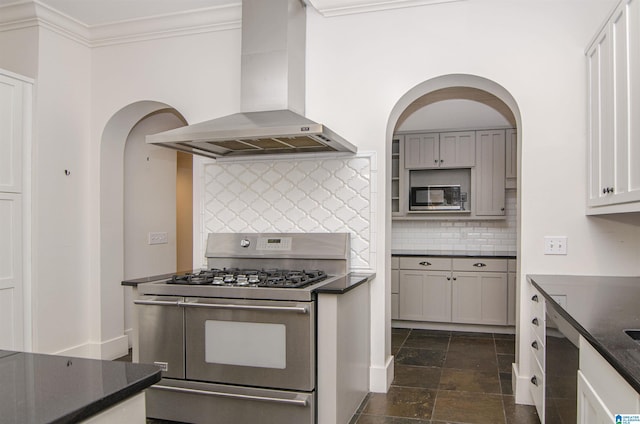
pixel 600 308
pixel 38 388
pixel 346 283
pixel 498 254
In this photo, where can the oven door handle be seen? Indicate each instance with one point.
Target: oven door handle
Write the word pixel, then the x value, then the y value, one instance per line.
pixel 157 302
pixel 298 309
pixel 297 402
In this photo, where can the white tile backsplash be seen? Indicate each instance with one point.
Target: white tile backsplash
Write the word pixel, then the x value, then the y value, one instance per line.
pixel 458 235
pixel 301 195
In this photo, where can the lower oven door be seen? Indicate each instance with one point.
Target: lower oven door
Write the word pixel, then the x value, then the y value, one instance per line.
pixel 161 333
pixel 197 402
pixel 251 342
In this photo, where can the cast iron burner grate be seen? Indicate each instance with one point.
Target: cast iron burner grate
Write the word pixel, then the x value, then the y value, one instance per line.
pixel 277 278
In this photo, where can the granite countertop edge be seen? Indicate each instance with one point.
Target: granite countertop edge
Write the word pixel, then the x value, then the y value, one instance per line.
pixel 609 351
pixel 74 406
pixel 498 254
pixel 347 283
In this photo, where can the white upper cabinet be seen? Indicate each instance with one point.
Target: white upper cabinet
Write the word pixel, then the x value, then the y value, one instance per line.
pixel 11 133
pixel 613 72
pixel 440 150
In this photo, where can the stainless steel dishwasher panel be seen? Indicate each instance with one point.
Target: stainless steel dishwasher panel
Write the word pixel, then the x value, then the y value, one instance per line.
pixel 251 342
pixel 161 333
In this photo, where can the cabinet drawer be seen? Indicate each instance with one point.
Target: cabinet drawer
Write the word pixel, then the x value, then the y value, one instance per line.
pixel 536 301
pixel 425 263
pixel 537 350
pixel 395 262
pixel 479 264
pixel 511 265
pixel 537 324
pixel 536 386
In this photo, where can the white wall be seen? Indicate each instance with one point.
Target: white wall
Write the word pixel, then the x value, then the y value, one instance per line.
pixel 358 66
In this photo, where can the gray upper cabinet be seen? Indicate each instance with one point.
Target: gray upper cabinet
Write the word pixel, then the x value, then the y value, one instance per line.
pixel 490 174
pixel 440 150
pixel 613 74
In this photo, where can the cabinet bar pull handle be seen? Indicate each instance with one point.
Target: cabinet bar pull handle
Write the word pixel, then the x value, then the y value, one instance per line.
pixel 534 345
pixel 298 402
pixel 479 265
pixel 535 322
pixel 534 380
pixel 534 298
pixel 300 310
pixel 424 263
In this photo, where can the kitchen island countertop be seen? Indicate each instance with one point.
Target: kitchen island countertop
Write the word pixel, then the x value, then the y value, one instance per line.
pixel 496 254
pixel 600 309
pixel 38 388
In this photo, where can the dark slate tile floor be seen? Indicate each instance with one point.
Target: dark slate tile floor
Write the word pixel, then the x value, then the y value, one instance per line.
pixel 444 377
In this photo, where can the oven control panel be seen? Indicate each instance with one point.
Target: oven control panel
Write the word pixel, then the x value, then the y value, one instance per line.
pixel 274 243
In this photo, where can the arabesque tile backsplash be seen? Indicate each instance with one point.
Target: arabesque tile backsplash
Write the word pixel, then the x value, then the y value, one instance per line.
pixel 302 195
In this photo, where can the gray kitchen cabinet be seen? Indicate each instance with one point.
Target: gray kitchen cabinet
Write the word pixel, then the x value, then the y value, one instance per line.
pixel 511 292
pixel 613 142
pixel 395 286
pixel 425 289
pixel 479 291
pixel 397 163
pixel 511 158
pixel 490 173
pixel 440 150
pixel 453 290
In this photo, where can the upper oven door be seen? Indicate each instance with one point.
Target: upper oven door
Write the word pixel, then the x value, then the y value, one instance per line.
pixel 251 342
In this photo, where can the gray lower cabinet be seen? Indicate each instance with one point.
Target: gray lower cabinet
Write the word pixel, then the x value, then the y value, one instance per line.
pixel 456 290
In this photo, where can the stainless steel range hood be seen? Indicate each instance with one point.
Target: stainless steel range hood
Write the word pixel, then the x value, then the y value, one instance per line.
pixel 272 119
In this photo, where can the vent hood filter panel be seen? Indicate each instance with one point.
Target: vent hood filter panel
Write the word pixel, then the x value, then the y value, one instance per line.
pixel 253 133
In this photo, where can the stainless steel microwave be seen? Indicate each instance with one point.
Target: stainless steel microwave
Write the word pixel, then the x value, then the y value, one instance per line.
pixel 436 198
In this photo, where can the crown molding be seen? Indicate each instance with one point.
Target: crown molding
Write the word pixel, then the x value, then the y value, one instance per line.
pixel 329 8
pixel 32 13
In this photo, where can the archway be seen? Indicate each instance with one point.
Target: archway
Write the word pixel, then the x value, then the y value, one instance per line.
pixel 109 330
pixel 446 87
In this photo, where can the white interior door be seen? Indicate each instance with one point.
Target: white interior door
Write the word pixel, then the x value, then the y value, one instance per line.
pixel 11 287
pixel 14 101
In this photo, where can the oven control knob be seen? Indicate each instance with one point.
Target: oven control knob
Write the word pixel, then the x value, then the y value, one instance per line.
pixel 245 242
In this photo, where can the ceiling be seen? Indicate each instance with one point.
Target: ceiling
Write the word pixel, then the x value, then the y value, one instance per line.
pixel 97 12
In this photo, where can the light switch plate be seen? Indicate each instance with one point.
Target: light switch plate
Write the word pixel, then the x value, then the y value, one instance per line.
pixel 555 245
pixel 158 238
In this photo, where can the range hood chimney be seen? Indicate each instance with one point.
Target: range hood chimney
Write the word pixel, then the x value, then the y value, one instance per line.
pixel 272 119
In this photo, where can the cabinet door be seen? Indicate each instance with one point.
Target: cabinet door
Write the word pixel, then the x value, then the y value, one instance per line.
pixel 490 175
pixel 511 157
pixel 425 296
pixel 591 409
pixel 422 150
pixel 457 149
pixel 11 286
pixel 511 298
pixel 11 134
pixel 395 290
pixel 479 297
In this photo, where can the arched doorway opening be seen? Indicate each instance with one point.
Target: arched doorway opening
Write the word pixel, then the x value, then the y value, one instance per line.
pixel 457 91
pixel 138 195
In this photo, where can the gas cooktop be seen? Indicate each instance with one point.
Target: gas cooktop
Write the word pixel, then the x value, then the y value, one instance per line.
pixel 277 278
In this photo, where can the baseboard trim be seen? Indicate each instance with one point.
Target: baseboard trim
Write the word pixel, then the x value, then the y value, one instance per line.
pixel 109 349
pixel 381 377
pixel 520 386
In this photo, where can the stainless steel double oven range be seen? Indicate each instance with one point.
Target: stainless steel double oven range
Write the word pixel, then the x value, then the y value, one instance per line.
pixel 237 342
